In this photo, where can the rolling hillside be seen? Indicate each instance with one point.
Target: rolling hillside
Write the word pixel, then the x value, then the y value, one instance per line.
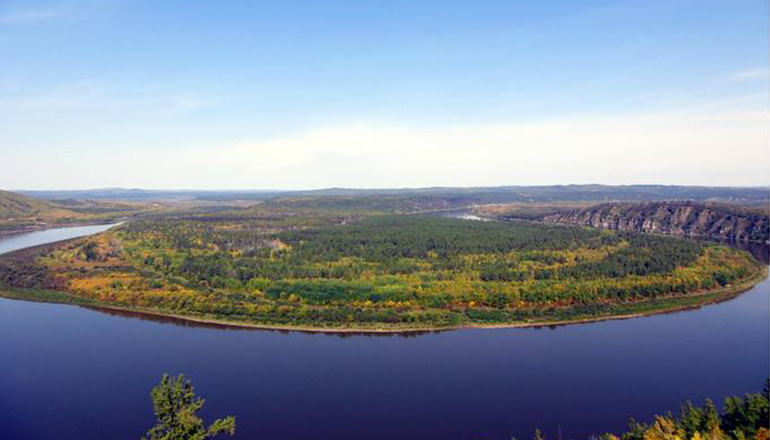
pixel 14 206
pixel 21 213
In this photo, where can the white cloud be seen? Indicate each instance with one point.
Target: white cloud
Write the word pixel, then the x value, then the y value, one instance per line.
pixel 708 148
pixel 751 74
pixel 26 12
pixel 27 16
pixel 88 96
pixel 717 143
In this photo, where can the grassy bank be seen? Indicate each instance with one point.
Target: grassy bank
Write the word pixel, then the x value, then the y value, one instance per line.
pixel 463 319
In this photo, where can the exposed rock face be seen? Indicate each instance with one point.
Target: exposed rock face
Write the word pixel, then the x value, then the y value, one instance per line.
pixel 676 218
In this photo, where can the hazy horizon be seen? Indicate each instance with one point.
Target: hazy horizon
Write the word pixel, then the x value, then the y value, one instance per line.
pixel 420 188
pixel 299 94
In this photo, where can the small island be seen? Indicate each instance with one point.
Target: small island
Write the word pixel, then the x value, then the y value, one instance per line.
pixel 321 269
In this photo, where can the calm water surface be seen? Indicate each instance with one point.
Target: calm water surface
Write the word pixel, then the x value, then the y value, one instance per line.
pixel 21 241
pixel 73 373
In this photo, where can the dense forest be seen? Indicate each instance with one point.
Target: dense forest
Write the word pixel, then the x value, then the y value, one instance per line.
pixel 321 268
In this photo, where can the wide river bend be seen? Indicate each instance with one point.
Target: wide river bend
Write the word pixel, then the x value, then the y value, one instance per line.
pixel 68 372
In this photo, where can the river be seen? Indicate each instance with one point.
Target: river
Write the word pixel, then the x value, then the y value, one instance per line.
pixel 68 372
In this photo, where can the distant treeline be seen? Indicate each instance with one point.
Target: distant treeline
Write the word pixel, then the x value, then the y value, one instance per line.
pixel 438 196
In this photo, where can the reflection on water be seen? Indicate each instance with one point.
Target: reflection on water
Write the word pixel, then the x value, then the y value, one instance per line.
pixel 181 322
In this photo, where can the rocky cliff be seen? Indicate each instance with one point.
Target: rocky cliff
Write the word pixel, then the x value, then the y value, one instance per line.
pixel 676 218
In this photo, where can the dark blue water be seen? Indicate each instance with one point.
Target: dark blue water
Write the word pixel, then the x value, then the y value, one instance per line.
pixel 73 373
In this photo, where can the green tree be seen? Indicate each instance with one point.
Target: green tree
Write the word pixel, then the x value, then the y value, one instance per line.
pixel 691 419
pixel 635 430
pixel 175 405
pixel 710 420
pixel 745 416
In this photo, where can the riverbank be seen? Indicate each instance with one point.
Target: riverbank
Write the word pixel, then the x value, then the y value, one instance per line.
pixel 619 311
pixel 26 274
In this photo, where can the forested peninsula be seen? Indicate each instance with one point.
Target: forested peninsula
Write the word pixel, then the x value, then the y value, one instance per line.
pixel 317 269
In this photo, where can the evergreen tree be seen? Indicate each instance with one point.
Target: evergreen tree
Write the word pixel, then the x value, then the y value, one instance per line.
pixel 175 405
pixel 691 419
pixel 710 419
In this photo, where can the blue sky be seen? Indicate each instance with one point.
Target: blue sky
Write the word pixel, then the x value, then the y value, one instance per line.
pixel 307 94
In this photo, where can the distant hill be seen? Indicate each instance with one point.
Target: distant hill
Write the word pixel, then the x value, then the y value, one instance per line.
pixel 18 206
pixel 434 197
pixel 133 194
pixel 20 213
pixel 676 218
